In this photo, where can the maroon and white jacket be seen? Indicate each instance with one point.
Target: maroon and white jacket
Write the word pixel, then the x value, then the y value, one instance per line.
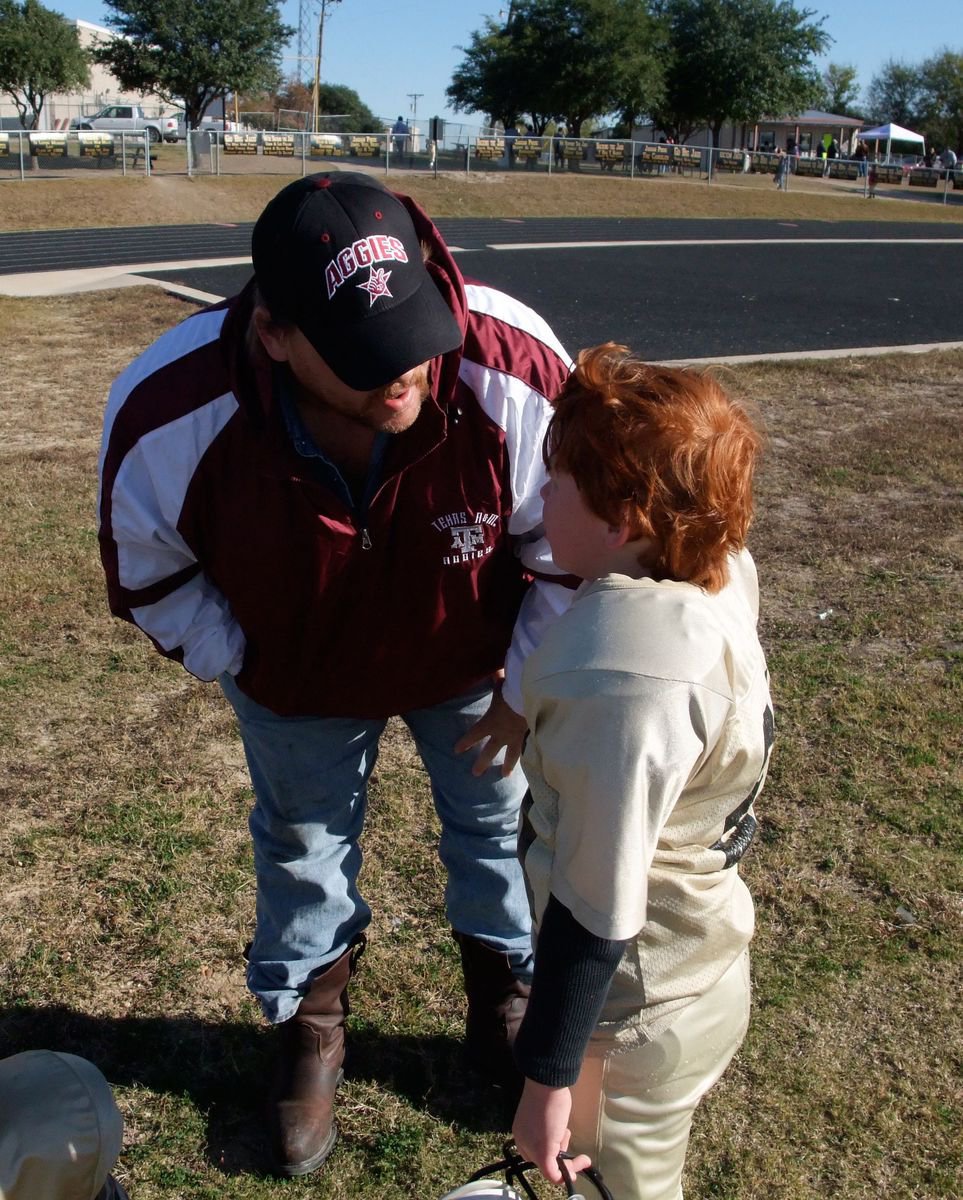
pixel 219 543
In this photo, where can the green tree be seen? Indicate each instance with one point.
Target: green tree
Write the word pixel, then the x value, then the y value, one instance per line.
pixel 493 78
pixel 738 60
pixel 896 94
pixel 39 54
pixel 190 53
pixel 941 115
pixel 295 95
pixel 355 116
pixel 840 90
pixel 569 60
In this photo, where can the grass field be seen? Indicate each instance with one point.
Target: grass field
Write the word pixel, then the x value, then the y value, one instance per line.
pixel 126 871
pixel 99 199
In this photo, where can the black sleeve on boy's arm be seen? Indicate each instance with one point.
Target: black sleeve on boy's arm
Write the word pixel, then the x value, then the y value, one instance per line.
pixel 573 971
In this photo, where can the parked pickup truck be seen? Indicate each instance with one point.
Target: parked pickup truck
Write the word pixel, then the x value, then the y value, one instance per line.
pixel 129 118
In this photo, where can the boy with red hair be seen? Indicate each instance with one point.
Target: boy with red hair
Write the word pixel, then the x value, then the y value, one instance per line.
pixel 650 730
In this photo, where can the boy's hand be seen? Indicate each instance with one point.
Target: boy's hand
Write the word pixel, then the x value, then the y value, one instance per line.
pixel 541 1129
pixel 500 728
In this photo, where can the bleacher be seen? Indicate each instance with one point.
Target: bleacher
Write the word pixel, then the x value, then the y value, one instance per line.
pixel 887 173
pixel 277 144
pixel 655 156
pixel 925 176
pixel 96 144
pixel 729 160
pixel 489 148
pixel 764 162
pixel 48 145
pixel 573 149
pixel 610 155
pixel 811 167
pixel 366 145
pixel 528 149
pixel 240 143
pixel 842 168
pixel 686 158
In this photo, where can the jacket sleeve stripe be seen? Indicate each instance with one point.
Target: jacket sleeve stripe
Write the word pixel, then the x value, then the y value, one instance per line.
pixel 522 415
pixel 146 596
pixel 513 364
pixel 195 624
pixel 149 490
pixel 158 427
pixel 510 337
pixel 171 393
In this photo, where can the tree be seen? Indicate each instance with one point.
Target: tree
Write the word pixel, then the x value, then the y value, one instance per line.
pixel 609 60
pixel 840 90
pixel 895 94
pixel 941 115
pixel 492 78
pixel 738 60
pixel 354 115
pixel 568 60
pixel 40 53
pixel 296 96
pixel 190 53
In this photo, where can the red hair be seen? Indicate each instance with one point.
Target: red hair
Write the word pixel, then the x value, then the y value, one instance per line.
pixel 662 450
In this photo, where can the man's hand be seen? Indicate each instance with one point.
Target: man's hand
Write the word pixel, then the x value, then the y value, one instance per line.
pixel 500 728
pixel 541 1129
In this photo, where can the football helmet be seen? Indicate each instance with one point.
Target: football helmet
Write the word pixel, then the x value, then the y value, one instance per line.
pixel 515 1186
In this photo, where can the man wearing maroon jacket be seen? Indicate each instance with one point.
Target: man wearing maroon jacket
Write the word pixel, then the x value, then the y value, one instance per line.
pixel 325 495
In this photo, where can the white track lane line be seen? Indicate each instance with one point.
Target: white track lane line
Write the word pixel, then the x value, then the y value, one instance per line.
pixel 809 355
pixel 677 242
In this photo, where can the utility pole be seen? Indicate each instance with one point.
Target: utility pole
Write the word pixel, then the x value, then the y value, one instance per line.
pixel 305 38
pixel 317 63
pixel 414 97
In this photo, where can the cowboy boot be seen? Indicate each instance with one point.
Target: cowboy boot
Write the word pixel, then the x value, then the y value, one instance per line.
pixel 496 1005
pixel 308 1071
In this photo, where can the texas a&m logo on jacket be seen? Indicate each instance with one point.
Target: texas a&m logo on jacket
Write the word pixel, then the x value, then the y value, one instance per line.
pixel 469 535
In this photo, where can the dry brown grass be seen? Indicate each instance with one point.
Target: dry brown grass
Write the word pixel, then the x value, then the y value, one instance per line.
pixel 171 199
pixel 125 865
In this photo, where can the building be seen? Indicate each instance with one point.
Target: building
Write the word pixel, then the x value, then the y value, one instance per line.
pixel 102 90
pixel 806 129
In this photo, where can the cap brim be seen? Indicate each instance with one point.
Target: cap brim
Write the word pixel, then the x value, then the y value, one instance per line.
pixel 372 353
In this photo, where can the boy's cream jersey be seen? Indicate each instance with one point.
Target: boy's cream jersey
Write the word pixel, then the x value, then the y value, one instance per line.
pixel 651 724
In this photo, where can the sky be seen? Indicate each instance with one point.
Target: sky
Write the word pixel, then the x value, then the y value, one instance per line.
pixel 399 56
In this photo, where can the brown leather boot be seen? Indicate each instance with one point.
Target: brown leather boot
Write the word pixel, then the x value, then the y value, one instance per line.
pixel 310 1055
pixel 496 1006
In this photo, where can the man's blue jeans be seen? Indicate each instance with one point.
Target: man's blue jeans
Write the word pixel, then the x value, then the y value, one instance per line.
pixel 310 777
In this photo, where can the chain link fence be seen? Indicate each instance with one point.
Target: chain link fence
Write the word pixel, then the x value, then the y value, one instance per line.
pixel 26 153
pixel 249 149
pixel 296 152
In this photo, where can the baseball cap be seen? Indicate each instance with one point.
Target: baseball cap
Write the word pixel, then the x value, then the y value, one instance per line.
pixel 337 255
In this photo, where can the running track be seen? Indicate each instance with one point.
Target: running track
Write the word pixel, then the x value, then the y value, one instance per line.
pixel 670 289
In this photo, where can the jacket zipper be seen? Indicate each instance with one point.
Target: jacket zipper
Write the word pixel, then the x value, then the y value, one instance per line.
pixel 371 488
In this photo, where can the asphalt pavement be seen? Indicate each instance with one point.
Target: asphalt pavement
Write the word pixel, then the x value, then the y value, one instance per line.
pixel 667 288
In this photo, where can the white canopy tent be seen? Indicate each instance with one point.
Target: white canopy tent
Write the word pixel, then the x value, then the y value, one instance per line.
pixel 891 133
